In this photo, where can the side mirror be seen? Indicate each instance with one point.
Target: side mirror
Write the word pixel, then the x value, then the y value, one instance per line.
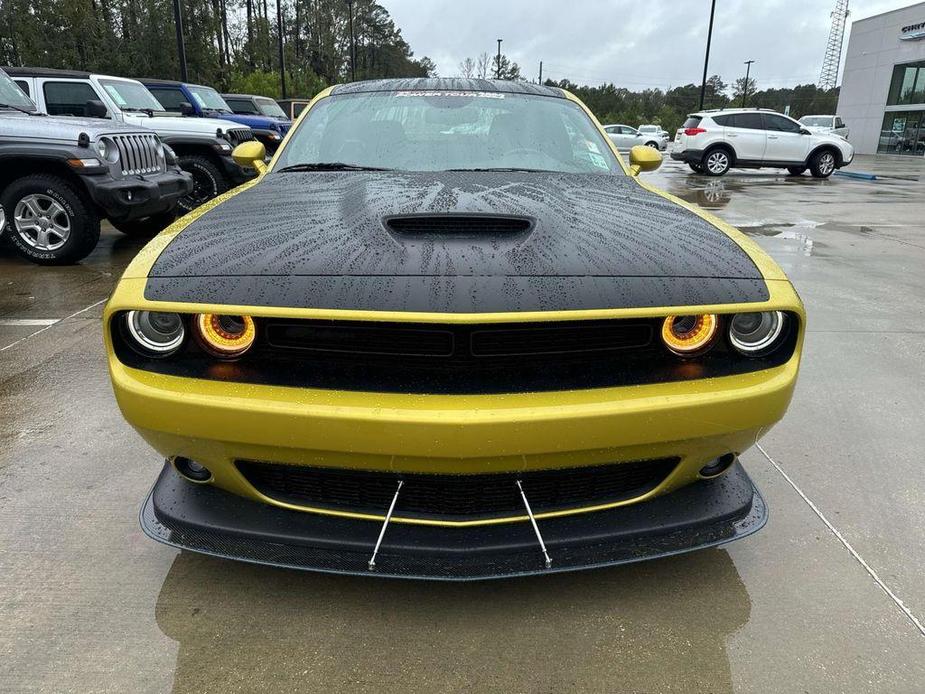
pixel 250 155
pixel 644 158
pixel 804 131
pixel 96 109
pixel 186 109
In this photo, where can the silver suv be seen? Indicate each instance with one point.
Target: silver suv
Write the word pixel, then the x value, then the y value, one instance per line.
pixel 712 142
pixel 60 176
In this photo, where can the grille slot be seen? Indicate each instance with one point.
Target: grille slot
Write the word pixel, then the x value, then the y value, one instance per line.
pixel 561 340
pixel 459 497
pixel 137 154
pixel 459 225
pixel 355 339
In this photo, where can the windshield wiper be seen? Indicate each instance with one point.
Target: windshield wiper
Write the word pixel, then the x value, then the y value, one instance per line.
pixel 133 109
pixel 22 110
pixel 509 168
pixel 330 166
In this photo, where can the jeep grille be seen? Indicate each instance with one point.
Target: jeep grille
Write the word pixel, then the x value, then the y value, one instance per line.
pixel 138 154
pixel 238 135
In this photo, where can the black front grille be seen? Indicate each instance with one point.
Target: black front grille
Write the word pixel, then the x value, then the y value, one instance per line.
pixel 475 225
pixel 455 497
pixel 391 357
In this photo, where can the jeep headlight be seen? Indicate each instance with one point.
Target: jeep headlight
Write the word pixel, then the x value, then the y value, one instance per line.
pixel 107 150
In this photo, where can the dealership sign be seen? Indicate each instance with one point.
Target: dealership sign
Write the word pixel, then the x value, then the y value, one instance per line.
pixel 912 32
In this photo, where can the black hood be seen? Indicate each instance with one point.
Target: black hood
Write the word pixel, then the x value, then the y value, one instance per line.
pixel 331 240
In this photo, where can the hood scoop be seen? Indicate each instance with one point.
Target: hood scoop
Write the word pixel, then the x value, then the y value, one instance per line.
pixel 448 227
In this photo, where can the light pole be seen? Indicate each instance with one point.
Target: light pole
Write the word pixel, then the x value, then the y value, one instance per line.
pixel 498 65
pixel 181 47
pixel 748 69
pixel 282 59
pixel 706 58
pixel 353 50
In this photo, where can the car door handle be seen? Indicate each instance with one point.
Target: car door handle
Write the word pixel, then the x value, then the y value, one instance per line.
pixel 732 135
pixel 772 137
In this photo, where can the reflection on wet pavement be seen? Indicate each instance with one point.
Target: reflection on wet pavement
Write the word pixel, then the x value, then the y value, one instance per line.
pixel 623 629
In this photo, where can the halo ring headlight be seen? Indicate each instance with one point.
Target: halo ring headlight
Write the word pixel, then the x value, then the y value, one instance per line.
pixel 689 335
pixel 226 337
pixel 754 334
pixel 155 333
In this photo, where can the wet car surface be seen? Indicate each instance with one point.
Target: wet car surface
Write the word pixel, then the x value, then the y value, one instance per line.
pixel 88 604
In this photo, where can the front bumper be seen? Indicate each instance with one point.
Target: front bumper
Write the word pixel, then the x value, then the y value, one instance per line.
pixel 234 173
pixel 140 196
pixel 205 519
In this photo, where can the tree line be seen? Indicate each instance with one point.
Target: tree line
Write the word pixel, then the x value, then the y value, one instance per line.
pixel 230 44
pixel 669 108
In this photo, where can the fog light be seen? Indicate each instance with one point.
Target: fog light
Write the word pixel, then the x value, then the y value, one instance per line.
pixel 754 334
pixel 717 467
pixel 192 470
pixel 155 333
pixel 226 337
pixel 688 335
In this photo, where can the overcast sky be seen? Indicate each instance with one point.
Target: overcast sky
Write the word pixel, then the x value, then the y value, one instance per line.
pixel 633 43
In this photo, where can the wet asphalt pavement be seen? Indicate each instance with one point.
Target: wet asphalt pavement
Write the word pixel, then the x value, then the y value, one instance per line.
pixel 87 603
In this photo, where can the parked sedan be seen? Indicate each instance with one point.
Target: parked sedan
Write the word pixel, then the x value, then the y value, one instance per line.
pixel 626 137
pixel 448 333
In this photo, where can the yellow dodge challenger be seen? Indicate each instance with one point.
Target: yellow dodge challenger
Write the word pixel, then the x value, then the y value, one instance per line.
pixel 448 333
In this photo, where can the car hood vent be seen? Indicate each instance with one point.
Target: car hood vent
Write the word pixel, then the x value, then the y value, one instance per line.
pixel 469 226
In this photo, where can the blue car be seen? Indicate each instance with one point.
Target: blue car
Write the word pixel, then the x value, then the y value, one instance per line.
pixel 199 100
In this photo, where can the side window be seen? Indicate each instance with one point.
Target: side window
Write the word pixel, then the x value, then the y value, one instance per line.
pixel 839 123
pixel 723 120
pixel 626 130
pixel 24 86
pixel 612 129
pixel 749 121
pixel 169 97
pixel 242 106
pixel 68 98
pixel 780 124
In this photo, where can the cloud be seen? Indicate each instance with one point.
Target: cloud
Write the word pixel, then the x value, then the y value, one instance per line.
pixel 632 43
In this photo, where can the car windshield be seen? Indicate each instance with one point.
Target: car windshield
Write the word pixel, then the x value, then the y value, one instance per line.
pixel 209 99
pixel 817 121
pixel 268 107
pixel 131 95
pixel 450 130
pixel 13 96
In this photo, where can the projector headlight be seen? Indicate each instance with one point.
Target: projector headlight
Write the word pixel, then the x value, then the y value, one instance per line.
pixel 155 333
pixel 755 334
pixel 689 335
pixel 226 337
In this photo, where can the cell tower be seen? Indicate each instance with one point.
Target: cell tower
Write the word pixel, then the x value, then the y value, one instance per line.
pixel 832 61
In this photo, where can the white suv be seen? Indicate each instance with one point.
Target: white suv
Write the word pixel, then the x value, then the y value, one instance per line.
pixel 712 142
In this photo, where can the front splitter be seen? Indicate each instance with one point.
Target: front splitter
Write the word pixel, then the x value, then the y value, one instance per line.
pixel 205 519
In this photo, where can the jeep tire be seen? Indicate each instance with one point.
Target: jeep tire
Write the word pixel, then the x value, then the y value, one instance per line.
pixel 49 221
pixel 208 181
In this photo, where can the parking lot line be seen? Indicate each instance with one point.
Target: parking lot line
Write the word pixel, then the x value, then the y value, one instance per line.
pixel 867 567
pixel 51 325
pixel 28 322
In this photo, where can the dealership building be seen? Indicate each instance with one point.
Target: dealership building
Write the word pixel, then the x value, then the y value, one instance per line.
pixel 882 97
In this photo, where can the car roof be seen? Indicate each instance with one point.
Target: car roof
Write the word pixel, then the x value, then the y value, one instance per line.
pixel 44 72
pixel 170 83
pixel 426 84
pixel 712 111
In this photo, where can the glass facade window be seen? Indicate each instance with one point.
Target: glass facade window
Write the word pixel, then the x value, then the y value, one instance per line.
pixel 903 132
pixel 907 85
